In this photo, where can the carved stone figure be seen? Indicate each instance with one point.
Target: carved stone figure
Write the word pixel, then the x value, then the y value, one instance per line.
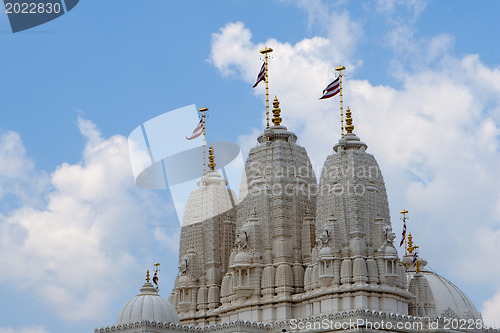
pixel 183 264
pixel 325 235
pixel 389 235
pixel 241 240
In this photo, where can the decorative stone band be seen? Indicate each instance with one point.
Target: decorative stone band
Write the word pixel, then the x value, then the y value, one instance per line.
pixel 356 318
pixel 350 141
pixel 151 326
pixel 277 133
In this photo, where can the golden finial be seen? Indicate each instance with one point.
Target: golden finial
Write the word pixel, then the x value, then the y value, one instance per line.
pixel 147 276
pixel 410 243
pixel 211 158
pixel 276 112
pixel 348 119
pixel 412 248
pixel 404 212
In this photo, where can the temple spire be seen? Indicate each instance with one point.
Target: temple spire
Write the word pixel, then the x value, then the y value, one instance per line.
pixel 265 52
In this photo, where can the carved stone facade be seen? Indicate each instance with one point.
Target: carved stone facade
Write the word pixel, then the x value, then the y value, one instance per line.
pixel 207 239
pixel 295 256
pixel 292 250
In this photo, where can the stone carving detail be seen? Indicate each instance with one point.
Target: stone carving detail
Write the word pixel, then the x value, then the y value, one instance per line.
pixel 324 237
pixel 183 264
pixel 468 314
pixel 389 235
pixel 253 212
pixel 449 313
pixel 241 240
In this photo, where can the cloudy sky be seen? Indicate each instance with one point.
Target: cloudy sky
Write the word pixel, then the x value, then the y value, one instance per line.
pixel 77 234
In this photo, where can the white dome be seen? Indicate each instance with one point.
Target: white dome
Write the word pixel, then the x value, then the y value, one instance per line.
pixel 450 301
pixel 148 305
pixel 242 258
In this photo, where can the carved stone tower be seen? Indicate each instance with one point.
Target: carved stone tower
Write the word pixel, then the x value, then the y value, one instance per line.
pixel 355 255
pixel 207 237
pixel 267 264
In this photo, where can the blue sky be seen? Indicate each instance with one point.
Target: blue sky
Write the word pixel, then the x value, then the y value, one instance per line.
pixel 76 234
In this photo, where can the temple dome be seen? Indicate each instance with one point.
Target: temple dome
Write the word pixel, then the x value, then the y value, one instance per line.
pixel 449 300
pixel 148 305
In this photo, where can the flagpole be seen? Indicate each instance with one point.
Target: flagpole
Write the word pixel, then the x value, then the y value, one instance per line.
pixel 203 110
pixel 404 212
pixel 265 52
pixel 340 69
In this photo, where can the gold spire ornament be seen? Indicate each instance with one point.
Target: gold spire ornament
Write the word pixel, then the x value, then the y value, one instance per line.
pixel 349 127
pixel 147 276
pixel 203 110
pixel 276 112
pixel 412 248
pixel 211 158
pixel 265 53
pixel 340 69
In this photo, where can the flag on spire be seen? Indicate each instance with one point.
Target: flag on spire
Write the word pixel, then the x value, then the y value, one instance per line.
pixel 403 234
pixel 262 75
pixel 332 89
pixel 415 258
pixel 155 279
pixel 197 131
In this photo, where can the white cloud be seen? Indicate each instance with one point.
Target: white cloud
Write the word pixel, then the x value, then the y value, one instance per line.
pixel 436 137
pixel 336 24
pixel 75 252
pixel 168 236
pixel 394 8
pixel 491 311
pixel 33 329
pixel 18 178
